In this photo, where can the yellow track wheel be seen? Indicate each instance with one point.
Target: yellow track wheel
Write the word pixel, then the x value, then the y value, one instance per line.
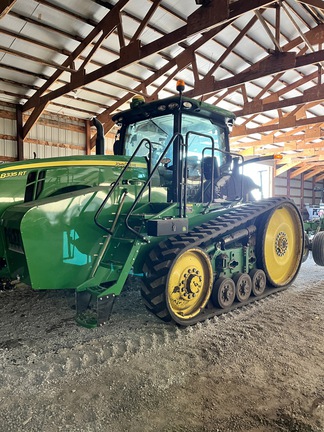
pixel 189 283
pixel 281 246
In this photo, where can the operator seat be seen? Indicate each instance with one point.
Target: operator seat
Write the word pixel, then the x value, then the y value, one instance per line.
pixel 228 186
pixel 209 169
pixel 236 186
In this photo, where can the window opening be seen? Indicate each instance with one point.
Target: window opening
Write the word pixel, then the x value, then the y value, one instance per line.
pixel 34 185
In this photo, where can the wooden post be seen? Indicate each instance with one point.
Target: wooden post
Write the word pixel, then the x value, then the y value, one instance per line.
pixel 20 141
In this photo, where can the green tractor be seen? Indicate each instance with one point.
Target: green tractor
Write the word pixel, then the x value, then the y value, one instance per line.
pixel 171 206
pixel 314 230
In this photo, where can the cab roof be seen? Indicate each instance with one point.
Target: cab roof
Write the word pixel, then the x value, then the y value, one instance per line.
pixel 172 104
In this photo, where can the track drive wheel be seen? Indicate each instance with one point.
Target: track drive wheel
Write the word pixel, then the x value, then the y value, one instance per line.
pixel 178 282
pixel 318 248
pixel 223 294
pixel 243 286
pixel 280 244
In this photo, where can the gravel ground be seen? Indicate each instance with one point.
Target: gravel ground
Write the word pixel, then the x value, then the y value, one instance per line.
pixel 259 369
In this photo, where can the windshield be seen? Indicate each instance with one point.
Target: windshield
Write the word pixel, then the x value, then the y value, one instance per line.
pixel 158 131
pixel 204 139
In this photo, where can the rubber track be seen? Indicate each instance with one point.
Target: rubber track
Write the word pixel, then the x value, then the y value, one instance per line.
pixel 160 259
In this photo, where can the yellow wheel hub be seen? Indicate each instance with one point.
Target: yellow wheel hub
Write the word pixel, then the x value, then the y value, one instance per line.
pixel 282 248
pixel 281 243
pixel 189 283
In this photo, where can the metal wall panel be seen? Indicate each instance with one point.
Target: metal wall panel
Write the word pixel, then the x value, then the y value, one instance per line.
pixel 283 185
pixel 279 182
pixel 308 192
pixel 295 183
pixel 51 136
pixel 8 131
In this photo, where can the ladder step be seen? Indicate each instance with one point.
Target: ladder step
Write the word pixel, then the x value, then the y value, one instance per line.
pixel 109 264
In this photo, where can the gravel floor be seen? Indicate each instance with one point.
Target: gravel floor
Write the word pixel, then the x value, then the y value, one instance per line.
pixel 259 369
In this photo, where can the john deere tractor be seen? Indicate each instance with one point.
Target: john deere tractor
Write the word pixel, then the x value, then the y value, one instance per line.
pixel 170 206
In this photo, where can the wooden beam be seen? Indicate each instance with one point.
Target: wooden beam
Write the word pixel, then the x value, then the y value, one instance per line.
pixel 195 24
pixel 35 59
pixel 319 178
pixel 285 168
pixel 254 72
pixel 300 170
pixel 268 31
pixel 277 63
pixel 37 112
pixel 278 21
pixel 240 7
pixel 145 20
pixel 238 131
pixel 110 21
pixel 231 47
pixel 87 137
pixel 313 173
pixel 291 141
pixel 180 61
pixel 5 7
pixel 315 3
pixel 316 160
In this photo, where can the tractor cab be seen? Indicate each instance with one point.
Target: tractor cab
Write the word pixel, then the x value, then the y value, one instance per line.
pixel 185 143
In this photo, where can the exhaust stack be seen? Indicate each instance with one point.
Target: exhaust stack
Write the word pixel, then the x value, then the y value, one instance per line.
pixel 100 141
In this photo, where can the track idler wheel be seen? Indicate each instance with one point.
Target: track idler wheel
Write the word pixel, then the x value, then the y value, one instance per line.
pixel 243 286
pixel 223 294
pixel 259 281
pixel 280 244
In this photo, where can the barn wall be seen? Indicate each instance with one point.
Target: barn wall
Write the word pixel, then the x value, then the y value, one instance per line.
pixel 51 136
pixel 8 133
pixel 298 189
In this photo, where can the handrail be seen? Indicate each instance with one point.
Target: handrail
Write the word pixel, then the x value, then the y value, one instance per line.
pixel 116 183
pixel 148 182
pixel 108 238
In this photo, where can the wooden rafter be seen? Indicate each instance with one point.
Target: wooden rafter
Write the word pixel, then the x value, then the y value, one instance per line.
pixel 268 65
pixel 131 53
pixel 183 59
pixel 286 122
pixel 275 64
pixel 303 168
pixel 285 168
pixel 230 48
pixel 313 172
pixel 315 3
pixel 301 138
pixel 145 21
pixel 5 7
pixel 319 177
pixel 106 25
